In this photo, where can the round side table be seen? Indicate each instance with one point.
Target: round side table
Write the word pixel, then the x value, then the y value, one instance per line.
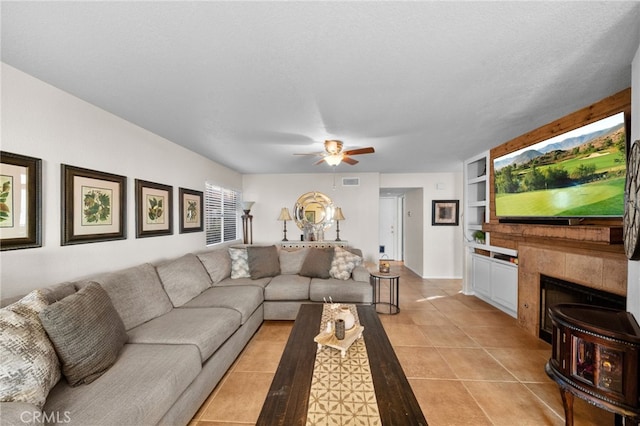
pixel 393 304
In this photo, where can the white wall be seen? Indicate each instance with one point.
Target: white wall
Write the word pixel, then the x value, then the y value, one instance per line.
pixel 359 205
pixel 442 247
pixel 414 230
pixel 41 121
pixel 633 279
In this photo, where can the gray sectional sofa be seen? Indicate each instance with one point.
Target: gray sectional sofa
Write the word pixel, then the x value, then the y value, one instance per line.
pixel 186 321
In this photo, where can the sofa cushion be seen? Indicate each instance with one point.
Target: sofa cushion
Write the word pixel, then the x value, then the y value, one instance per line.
pixel 317 263
pixel 360 273
pixel 217 262
pixel 137 390
pixel 183 278
pixel 136 293
pixel 288 287
pixel 239 263
pixel 347 292
pixel 291 260
pixel 244 299
pixel 343 263
pixel 29 367
pixel 241 282
pixel 263 261
pixel 206 328
pixel 86 332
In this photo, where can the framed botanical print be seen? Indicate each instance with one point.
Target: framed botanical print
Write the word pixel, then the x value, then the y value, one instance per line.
pixel 445 212
pixel 191 210
pixel 20 201
pixel 154 206
pixel 94 206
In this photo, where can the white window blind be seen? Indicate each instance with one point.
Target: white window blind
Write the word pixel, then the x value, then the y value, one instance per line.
pixel 220 214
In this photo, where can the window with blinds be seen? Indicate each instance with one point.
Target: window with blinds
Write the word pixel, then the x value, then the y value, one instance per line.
pixel 220 214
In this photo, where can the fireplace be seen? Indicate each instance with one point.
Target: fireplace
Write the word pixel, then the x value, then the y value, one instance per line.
pixel 554 291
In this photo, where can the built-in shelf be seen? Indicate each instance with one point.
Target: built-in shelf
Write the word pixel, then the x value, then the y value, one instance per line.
pixel 593 234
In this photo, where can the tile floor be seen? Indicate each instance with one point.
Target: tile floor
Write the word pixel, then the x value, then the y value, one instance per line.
pixel 468 364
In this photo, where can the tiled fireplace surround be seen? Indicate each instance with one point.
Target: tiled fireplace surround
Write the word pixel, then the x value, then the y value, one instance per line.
pixel 602 270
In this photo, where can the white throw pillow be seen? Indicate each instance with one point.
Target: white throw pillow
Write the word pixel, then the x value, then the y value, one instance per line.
pixel 239 263
pixel 30 366
pixel 343 263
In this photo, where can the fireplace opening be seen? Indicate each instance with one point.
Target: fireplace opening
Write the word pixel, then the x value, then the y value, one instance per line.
pixel 554 291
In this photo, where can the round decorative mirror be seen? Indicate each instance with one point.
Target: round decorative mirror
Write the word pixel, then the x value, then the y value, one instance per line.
pixel 313 209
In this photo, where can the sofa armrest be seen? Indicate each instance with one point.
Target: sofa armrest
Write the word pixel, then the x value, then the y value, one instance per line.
pixel 360 273
pixel 20 414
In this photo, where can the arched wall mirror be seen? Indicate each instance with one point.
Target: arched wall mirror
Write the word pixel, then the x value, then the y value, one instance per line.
pixel 313 210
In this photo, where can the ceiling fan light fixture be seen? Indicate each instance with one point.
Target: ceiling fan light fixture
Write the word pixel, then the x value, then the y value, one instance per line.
pixel 333 147
pixel 333 160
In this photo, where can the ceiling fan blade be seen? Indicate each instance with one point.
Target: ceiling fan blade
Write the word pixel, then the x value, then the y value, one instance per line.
pixel 349 160
pixel 368 150
pixel 318 162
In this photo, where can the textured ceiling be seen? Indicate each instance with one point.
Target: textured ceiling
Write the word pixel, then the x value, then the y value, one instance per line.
pixel 248 84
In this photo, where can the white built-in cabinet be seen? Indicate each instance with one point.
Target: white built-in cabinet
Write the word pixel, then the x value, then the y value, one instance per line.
pixel 490 272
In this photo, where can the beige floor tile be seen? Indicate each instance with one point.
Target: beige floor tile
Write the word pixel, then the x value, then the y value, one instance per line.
pixel 447 403
pixel 584 414
pixel 240 398
pixel 526 364
pixel 504 337
pixel 471 318
pixel 428 318
pixel 274 331
pixel 474 364
pixel 425 363
pixel 406 335
pixel 511 404
pixel 448 336
pixel 260 356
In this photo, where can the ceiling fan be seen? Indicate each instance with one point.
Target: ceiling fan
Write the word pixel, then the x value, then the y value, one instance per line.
pixel 334 154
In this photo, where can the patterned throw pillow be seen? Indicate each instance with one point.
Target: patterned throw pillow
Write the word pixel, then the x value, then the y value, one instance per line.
pixel 343 263
pixel 239 263
pixel 30 366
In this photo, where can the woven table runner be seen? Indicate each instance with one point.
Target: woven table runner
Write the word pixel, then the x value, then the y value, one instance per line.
pixel 342 388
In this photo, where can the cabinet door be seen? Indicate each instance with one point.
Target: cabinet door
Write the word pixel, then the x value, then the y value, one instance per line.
pixel 504 285
pixel 482 275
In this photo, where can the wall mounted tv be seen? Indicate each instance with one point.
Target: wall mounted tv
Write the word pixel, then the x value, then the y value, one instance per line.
pixel 578 174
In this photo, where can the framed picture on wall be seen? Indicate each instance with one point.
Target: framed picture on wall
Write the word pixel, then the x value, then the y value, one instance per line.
pixel 445 212
pixel 20 201
pixel 154 205
pixel 94 206
pixel 191 210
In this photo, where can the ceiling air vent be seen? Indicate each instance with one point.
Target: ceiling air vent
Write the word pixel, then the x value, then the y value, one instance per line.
pixel 352 181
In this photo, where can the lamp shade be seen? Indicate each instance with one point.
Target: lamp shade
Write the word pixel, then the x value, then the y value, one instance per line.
pixel 246 205
pixel 337 215
pixel 333 159
pixel 284 214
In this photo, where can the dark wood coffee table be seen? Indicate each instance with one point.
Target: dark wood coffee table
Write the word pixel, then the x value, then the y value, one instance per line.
pixel 288 397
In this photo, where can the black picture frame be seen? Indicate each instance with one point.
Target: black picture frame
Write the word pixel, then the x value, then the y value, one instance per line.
pixel 154 209
pixel 445 212
pixel 17 236
pixel 191 210
pixel 93 206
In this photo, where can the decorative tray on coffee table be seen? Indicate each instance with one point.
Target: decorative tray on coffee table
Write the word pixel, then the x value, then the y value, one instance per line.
pixel 328 338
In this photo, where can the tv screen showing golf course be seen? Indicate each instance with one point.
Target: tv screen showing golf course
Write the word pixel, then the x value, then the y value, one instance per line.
pixel 577 174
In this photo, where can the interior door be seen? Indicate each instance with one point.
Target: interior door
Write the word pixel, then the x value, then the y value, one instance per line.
pixel 388 233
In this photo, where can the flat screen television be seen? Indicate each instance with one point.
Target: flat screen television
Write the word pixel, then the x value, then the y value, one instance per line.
pixel 578 174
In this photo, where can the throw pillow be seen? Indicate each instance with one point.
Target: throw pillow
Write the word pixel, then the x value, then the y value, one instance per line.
pixel 343 263
pixel 263 262
pixel 29 367
pixel 183 278
pixel 291 261
pixel 217 262
pixel 317 263
pixel 239 263
pixel 87 333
